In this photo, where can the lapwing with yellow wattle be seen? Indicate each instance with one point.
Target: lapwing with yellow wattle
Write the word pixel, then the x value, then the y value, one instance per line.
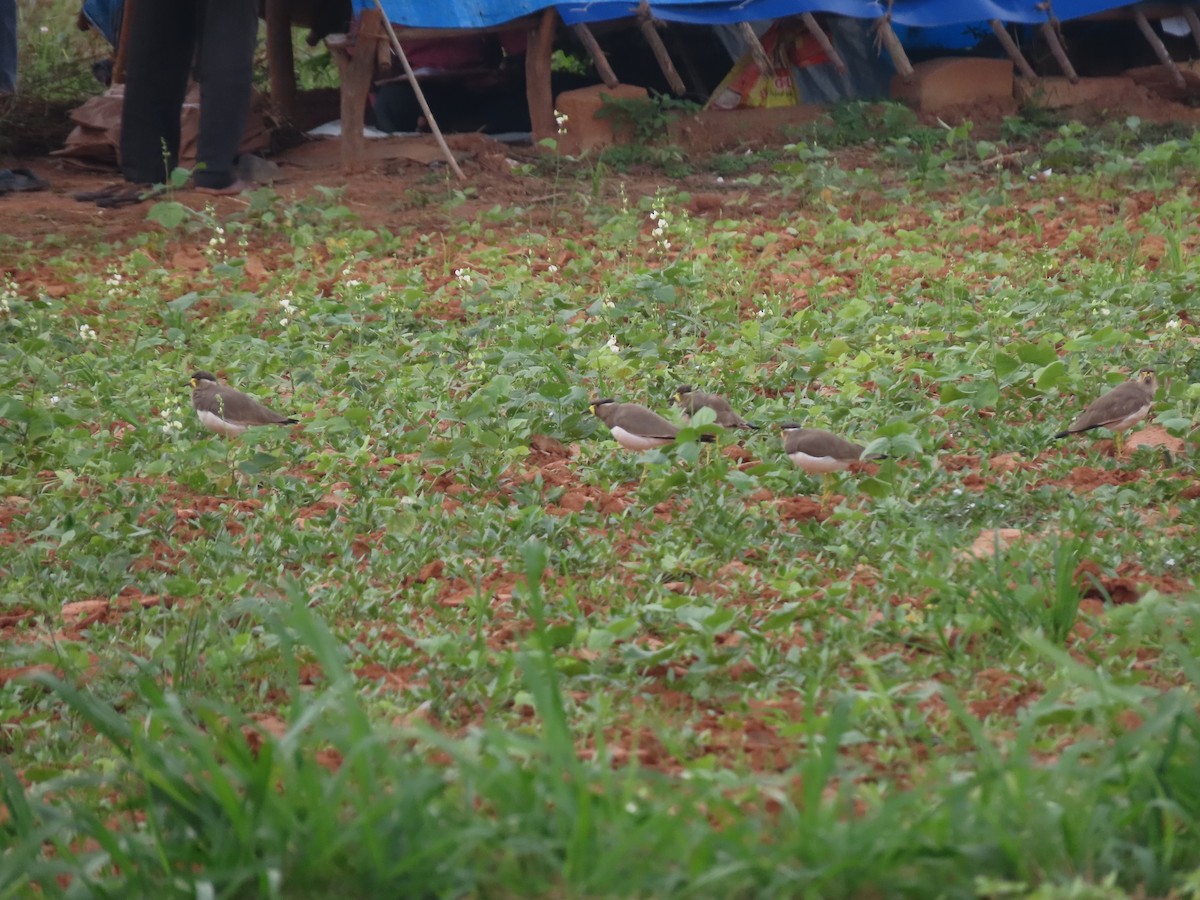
pixel 1119 409
pixel 227 411
pixel 692 400
pixel 819 452
pixel 635 427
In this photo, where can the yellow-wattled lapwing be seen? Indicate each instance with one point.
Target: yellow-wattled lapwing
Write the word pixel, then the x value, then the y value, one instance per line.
pixel 227 411
pixel 691 400
pixel 1119 409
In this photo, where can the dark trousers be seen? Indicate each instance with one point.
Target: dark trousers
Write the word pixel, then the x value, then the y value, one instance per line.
pixel 165 37
pixel 8 46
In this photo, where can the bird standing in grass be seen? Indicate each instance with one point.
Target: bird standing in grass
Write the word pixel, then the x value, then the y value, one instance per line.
pixel 1119 409
pixel 636 428
pixel 819 452
pixel 691 400
pixel 229 412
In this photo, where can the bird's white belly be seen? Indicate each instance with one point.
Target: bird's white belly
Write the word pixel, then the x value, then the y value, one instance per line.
pixel 636 441
pixel 213 422
pixel 818 465
pixel 1131 419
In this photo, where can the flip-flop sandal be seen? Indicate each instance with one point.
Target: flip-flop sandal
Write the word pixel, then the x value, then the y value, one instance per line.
pixel 117 195
pixel 18 180
pixel 132 194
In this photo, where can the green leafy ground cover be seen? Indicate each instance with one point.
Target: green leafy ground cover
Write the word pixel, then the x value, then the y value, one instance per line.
pixel 443 639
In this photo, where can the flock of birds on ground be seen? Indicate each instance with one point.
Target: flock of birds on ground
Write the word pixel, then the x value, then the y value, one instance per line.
pixel 229 412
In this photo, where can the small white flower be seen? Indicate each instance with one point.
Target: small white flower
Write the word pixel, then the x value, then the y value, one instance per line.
pixel 1173 323
pixel 55 400
pixel 666 245
pixel 1104 310
pixel 561 119
pixel 45 29
pixel 87 333
pixel 631 808
pixel 653 214
pixel 607 303
pixel 761 313
pixel 612 344
pixel 720 179
pixel 283 322
pixel 463 276
pixel 553 269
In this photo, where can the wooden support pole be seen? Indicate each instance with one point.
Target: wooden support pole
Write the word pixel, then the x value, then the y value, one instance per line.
pixel 650 33
pixel 118 76
pixel 420 94
pixel 596 52
pixel 757 51
pixel 1160 49
pixel 894 48
pixel 1193 21
pixel 1013 51
pixel 538 91
pixel 281 63
pixel 1050 33
pixel 355 73
pixel 815 29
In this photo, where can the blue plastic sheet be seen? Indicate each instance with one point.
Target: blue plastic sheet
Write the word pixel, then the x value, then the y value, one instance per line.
pixel 920 13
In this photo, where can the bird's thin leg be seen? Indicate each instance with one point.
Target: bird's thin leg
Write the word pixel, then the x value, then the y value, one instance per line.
pixel 1118 442
pixel 826 489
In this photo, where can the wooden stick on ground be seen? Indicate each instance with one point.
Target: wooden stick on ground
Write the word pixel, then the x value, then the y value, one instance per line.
pixel 815 29
pixel 596 52
pixel 420 94
pixel 1013 51
pixel 1160 49
pixel 646 23
pixel 757 51
pixel 1050 33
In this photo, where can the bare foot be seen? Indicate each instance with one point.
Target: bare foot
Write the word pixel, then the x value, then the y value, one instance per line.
pixel 237 187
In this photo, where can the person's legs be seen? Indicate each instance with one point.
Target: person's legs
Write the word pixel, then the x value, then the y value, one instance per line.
pixel 229 29
pixel 161 44
pixel 8 46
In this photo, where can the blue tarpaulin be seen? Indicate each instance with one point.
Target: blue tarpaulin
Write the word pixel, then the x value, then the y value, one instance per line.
pixel 919 13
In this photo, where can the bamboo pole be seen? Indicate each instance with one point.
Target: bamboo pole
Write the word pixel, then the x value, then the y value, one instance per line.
pixel 894 48
pixel 1013 51
pixel 1050 33
pixel 815 29
pixel 757 51
pixel 596 52
pixel 646 23
pixel 1160 49
pixel 420 94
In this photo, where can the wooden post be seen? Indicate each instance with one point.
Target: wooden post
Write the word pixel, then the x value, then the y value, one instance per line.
pixel 1160 49
pixel 894 48
pixel 646 23
pixel 538 91
pixel 281 64
pixel 355 73
pixel 596 52
pixel 118 76
pixel 815 29
pixel 1193 23
pixel 757 51
pixel 1050 33
pixel 1013 51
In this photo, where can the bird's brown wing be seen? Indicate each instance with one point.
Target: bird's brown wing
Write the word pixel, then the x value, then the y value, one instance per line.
pixel 816 442
pixel 641 421
pixel 1122 401
pixel 237 408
